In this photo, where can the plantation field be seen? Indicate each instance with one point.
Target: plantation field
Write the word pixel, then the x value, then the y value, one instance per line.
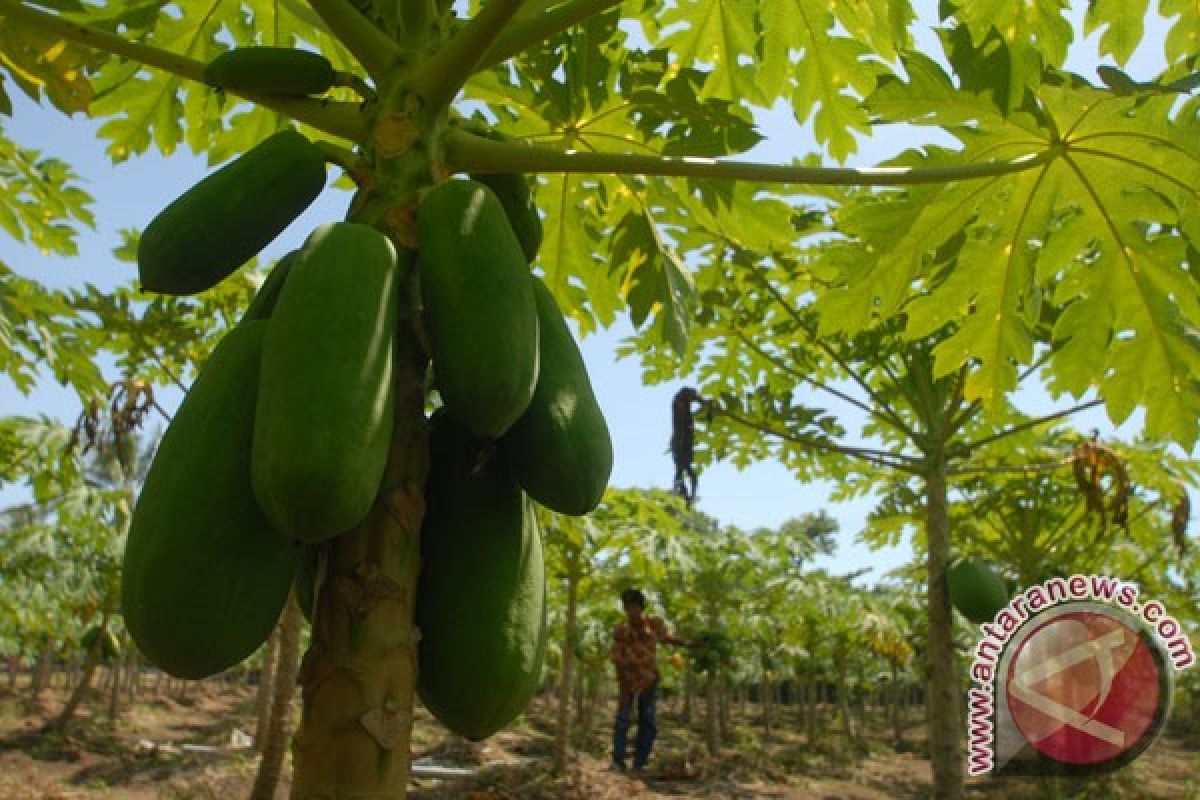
pixel 195 731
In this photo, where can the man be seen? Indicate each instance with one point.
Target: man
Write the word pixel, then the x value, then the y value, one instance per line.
pixel 633 651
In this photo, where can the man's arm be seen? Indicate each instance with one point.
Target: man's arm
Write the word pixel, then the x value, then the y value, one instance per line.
pixel 665 636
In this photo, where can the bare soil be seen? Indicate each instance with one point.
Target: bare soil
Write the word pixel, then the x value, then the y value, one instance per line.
pixel 180 748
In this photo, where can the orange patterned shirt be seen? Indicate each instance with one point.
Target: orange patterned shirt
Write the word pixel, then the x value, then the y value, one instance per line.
pixel 633 652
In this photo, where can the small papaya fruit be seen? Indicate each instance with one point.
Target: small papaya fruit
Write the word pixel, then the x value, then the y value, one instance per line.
pixel 512 190
pixel 976 590
pixel 228 217
pixel 270 70
pixel 481 596
pixel 263 302
pixel 325 401
pixel 560 450
pixel 204 574
pixel 479 307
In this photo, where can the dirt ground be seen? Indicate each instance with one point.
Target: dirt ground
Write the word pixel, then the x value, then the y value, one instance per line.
pixel 181 748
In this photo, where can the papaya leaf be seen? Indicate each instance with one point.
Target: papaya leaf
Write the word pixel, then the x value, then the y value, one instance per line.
pixel 720 34
pixel 45 63
pixel 1033 36
pixel 827 78
pixel 1183 39
pixel 41 201
pixel 1099 233
pixel 1123 24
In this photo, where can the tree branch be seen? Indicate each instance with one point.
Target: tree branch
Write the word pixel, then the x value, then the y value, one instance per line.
pixel 523 35
pixel 781 365
pixel 467 152
pixel 170 372
pixel 879 457
pixel 956 401
pixel 438 79
pixel 373 48
pixel 1024 426
pixel 337 119
pixel 996 469
pixel 962 419
pixel 883 412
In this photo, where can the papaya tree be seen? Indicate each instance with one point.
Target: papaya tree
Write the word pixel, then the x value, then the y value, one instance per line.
pixel 626 133
pixel 581 553
pixel 780 555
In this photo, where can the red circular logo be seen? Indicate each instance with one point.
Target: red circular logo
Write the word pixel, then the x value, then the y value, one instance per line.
pixel 1084 688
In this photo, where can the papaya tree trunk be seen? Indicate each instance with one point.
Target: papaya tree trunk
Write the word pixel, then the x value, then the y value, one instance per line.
pixel 689 690
pixel 90 661
pixel 843 701
pixel 896 696
pixel 40 676
pixel 114 692
pixel 724 688
pixel 810 720
pixel 133 675
pixel 577 701
pixel 942 704
pixel 562 736
pixel 267 779
pixel 266 687
pixel 766 706
pixel 359 674
pixel 712 730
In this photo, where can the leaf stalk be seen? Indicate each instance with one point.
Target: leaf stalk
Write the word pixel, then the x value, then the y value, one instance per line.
pixel 467 152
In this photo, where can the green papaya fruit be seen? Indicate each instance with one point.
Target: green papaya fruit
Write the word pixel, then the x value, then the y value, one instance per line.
pixel 479 307
pixel 975 590
pixel 228 217
pixel 512 190
pixel 481 597
pixel 205 575
pixel 325 401
pixel 270 70
pixel 560 450
pixel 263 302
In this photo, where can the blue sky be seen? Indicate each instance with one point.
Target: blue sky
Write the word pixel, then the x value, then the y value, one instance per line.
pixel 130 194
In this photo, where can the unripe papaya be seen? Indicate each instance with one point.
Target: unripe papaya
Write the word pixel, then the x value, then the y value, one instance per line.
pixel 560 450
pixel 263 302
pixel 324 420
pixel 270 70
pixel 481 597
pixel 975 590
pixel 479 307
pixel 512 190
pixel 227 218
pixel 205 575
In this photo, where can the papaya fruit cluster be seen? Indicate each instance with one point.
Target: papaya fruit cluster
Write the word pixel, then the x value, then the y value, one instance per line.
pixel 281 442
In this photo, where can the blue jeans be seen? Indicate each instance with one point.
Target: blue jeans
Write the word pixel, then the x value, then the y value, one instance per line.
pixel 646 729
